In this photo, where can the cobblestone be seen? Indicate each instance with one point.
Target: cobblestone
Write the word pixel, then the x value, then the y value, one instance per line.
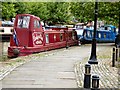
pixel 108 75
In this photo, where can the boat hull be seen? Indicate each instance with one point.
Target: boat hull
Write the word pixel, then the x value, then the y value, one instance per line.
pixel 23 51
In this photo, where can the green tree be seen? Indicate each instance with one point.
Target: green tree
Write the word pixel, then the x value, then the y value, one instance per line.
pixel 109 11
pixel 23 7
pixel 40 10
pixel 59 12
pixel 63 12
pixel 8 10
pixel 83 11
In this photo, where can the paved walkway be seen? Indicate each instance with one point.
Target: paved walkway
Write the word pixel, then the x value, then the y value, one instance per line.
pixel 61 69
pixel 54 70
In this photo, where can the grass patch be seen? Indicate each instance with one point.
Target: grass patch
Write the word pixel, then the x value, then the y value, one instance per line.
pixel 118 63
pixel 13 62
pixel 19 60
pixel 3 58
pixel 104 56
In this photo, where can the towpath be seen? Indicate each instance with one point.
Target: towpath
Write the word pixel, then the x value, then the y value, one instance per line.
pixel 56 69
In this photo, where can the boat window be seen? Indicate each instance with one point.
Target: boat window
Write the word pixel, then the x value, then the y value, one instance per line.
pixel 36 24
pixel 105 28
pixel 79 26
pixel 109 28
pixel 61 37
pixel 92 34
pixel 23 21
pixel 102 28
pixel 104 35
pixel 80 32
pixel 99 35
pixel 54 37
pixel 89 34
pixel 84 34
pixel 47 38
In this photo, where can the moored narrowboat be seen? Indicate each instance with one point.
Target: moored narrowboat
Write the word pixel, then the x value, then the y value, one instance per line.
pixel 104 34
pixel 30 37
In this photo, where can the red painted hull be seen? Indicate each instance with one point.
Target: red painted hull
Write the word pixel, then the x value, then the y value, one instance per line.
pixel 23 51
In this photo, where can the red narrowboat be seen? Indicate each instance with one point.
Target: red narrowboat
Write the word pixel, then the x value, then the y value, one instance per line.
pixel 30 37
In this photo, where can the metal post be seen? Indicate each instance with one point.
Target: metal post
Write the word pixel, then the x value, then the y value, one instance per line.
pixel 87 76
pixel 117 40
pixel 113 58
pixel 95 82
pixel 66 32
pixel 119 52
pixel 93 58
pixel 119 24
pixel 67 45
pixel 116 54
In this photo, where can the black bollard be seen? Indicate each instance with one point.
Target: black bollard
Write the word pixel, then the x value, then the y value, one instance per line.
pixel 95 82
pixel 119 52
pixel 67 45
pixel 116 54
pixel 113 58
pixel 87 76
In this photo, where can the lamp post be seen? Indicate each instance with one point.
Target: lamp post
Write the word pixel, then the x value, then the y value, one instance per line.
pixel 117 40
pixel 93 58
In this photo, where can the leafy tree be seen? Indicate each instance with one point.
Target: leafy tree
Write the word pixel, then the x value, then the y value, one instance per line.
pixel 109 11
pixel 83 11
pixel 59 12
pixel 63 12
pixel 23 7
pixel 40 10
pixel 8 10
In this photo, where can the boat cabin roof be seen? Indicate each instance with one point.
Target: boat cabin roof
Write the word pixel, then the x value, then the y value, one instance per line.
pixel 28 15
pixel 103 28
pixel 56 27
pixel 110 26
pixel 80 24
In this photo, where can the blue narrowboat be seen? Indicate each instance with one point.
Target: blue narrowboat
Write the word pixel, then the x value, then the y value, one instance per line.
pixel 104 34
